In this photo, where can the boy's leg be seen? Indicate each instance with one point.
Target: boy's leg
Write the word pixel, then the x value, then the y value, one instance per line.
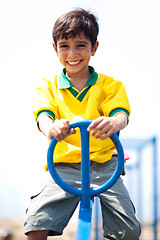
pixel 119 221
pixel 38 235
pixel 51 207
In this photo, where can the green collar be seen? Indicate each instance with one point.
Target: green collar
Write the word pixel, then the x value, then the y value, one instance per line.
pixel 65 83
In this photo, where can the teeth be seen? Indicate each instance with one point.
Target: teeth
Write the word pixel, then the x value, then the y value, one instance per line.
pixel 73 63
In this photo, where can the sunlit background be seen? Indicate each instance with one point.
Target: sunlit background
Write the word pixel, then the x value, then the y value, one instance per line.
pixel 129 51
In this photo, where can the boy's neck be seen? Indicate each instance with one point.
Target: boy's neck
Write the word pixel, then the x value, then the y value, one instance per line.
pixel 80 79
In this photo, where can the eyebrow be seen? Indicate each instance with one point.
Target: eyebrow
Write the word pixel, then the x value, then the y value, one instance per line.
pixel 84 42
pixel 62 42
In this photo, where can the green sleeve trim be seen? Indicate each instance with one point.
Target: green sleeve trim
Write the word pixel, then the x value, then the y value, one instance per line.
pixel 118 110
pixel 47 112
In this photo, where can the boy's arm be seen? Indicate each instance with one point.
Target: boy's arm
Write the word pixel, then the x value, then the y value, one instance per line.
pixel 59 129
pixel 103 127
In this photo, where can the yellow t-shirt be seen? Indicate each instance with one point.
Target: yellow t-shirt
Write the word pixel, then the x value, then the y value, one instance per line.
pixel 102 96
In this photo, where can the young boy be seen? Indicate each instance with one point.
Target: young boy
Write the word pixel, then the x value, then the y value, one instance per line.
pixel 80 93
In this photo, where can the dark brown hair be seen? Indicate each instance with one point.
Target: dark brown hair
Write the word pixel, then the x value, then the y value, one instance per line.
pixel 75 23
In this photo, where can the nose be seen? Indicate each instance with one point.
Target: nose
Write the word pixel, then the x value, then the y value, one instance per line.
pixel 72 52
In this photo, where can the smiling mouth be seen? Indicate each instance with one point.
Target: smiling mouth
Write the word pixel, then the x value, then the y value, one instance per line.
pixel 73 63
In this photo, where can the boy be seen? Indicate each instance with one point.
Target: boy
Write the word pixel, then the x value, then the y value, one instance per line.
pixel 80 93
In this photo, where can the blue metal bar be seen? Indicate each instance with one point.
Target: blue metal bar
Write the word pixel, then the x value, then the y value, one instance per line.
pixel 139 187
pixel 155 187
pixel 85 212
pixel 84 222
pixel 85 167
pixel 120 164
pixel 139 144
pixel 96 217
pixel 54 173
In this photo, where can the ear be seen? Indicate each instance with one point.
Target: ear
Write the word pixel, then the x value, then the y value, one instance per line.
pixel 94 48
pixel 55 48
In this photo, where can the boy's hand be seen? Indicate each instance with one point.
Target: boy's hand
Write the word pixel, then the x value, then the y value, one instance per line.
pixel 104 127
pixel 59 129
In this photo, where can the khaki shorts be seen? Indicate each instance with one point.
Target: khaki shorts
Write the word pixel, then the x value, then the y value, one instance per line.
pixel 51 207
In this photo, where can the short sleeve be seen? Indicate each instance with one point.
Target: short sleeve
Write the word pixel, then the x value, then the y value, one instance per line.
pixel 116 99
pixel 44 100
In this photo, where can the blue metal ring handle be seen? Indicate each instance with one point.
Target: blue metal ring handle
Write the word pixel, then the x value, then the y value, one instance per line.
pixel 85 151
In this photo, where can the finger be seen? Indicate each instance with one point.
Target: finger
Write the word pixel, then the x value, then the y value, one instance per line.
pixel 64 128
pixel 65 134
pixel 100 129
pixel 100 133
pixel 59 136
pixel 66 123
pixel 94 123
pixel 71 131
pixel 106 135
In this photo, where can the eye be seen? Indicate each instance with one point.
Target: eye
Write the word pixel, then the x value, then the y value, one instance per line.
pixel 63 46
pixel 81 45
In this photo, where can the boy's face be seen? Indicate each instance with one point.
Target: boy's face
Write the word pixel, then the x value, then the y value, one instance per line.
pixel 75 53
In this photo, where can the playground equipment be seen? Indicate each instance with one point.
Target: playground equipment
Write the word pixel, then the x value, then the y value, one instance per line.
pixel 138 145
pixel 86 193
